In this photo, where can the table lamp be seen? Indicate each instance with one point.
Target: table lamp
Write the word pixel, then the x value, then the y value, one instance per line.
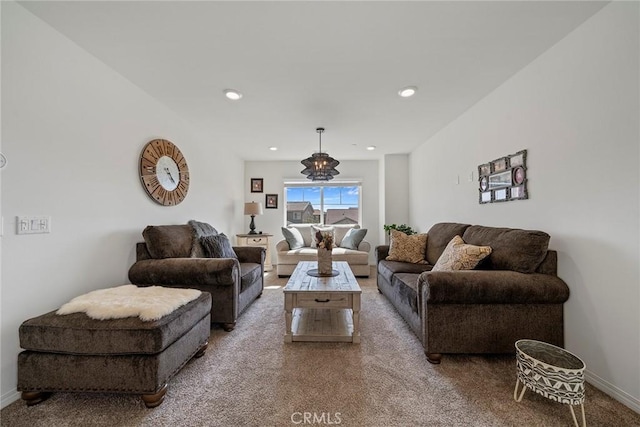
pixel 252 209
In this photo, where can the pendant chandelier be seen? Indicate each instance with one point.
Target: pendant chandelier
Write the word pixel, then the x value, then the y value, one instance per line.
pixel 320 166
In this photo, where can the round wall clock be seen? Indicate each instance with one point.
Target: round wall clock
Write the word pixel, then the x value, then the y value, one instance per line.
pixel 164 172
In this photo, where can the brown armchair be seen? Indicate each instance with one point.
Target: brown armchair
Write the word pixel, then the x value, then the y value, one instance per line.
pixel 172 256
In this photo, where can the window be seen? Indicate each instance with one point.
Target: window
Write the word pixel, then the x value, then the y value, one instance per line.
pixel 323 204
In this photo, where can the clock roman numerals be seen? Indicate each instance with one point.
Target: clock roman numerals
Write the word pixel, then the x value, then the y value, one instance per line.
pixel 179 194
pixel 147 167
pixel 150 155
pixel 159 194
pixel 150 181
pixel 166 181
pixel 158 147
pixel 170 198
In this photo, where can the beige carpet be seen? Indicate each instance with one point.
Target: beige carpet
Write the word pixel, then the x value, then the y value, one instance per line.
pixel 249 377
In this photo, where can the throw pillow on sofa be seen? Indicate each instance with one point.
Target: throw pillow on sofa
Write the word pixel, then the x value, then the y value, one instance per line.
pixel 200 229
pixel 353 238
pixel 405 248
pixel 314 229
pixel 459 255
pixel 217 246
pixel 293 237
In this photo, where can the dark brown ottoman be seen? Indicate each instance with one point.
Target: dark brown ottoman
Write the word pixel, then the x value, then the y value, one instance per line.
pixel 75 353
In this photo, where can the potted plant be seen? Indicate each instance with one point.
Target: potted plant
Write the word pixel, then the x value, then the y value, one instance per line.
pixel 402 227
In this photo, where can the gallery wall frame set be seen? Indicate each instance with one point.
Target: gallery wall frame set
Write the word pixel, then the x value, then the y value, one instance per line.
pixel 503 179
pixel 270 200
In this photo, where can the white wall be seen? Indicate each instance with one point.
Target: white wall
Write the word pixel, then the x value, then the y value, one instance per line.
pixel 73 131
pixel 396 184
pixel 275 173
pixel 576 110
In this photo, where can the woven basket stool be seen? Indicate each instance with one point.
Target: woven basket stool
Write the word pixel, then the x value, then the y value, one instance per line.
pixel 75 353
pixel 552 372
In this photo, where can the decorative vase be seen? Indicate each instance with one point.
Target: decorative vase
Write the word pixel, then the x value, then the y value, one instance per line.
pixel 324 262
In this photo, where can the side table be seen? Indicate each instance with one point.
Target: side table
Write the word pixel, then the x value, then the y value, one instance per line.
pixel 262 240
pixel 552 372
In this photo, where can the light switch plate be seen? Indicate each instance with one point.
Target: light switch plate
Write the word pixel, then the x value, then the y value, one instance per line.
pixel 33 224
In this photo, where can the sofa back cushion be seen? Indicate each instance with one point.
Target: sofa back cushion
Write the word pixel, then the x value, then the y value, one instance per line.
pixel 169 241
pixel 512 249
pixel 439 237
pixel 339 231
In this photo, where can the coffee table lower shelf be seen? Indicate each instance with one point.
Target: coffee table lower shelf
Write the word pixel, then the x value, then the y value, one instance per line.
pixel 322 325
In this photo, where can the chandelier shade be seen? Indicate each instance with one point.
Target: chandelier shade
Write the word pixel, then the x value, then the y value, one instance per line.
pixel 320 166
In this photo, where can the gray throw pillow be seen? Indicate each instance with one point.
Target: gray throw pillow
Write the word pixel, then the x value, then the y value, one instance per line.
pixel 353 238
pixel 200 229
pixel 294 237
pixel 217 246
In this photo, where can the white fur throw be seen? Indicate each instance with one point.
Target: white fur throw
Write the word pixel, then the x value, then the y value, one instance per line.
pixel 149 303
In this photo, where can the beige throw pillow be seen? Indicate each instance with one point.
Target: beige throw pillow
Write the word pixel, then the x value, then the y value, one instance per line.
pixel 459 255
pixel 407 248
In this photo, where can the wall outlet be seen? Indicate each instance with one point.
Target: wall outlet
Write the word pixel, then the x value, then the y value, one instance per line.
pixel 33 224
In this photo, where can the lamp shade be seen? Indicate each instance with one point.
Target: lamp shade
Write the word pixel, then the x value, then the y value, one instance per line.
pixel 253 208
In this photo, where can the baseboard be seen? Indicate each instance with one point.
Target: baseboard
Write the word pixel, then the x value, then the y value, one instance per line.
pixel 9 397
pixel 613 391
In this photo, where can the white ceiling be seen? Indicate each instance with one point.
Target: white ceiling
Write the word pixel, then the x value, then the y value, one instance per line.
pixel 301 65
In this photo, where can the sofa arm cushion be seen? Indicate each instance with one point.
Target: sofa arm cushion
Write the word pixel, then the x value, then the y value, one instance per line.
pixel 491 287
pixel 255 254
pixel 186 271
pixel 282 246
pixel 364 246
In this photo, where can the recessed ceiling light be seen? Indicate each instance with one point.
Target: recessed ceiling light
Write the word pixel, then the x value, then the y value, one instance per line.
pixel 273 148
pixel 408 91
pixel 371 147
pixel 232 94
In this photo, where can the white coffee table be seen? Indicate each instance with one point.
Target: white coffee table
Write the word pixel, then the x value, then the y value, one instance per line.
pixel 322 308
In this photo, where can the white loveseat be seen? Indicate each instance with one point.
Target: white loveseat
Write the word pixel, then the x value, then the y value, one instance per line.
pixel 288 258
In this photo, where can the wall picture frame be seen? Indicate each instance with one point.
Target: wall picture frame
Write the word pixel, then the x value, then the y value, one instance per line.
pixel 256 185
pixel 271 201
pixel 503 179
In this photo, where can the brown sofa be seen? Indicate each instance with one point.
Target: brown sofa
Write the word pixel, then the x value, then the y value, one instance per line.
pixel 512 294
pixel 172 256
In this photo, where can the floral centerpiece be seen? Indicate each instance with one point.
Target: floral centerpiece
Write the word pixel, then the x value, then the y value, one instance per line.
pixel 324 242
